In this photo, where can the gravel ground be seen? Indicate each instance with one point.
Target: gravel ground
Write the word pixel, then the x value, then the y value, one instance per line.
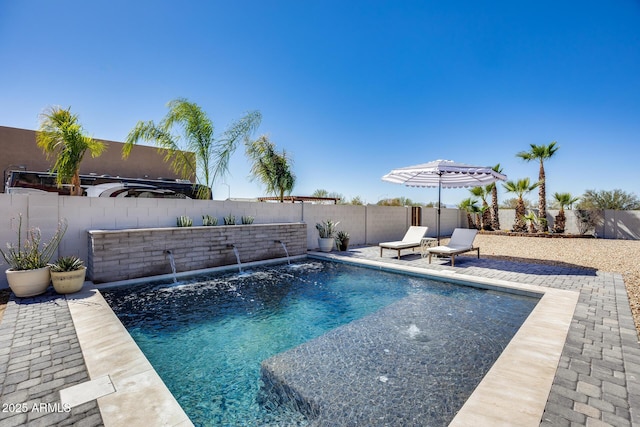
pixel 619 256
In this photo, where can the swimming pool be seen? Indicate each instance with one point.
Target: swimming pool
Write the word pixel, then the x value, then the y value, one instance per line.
pixel 207 339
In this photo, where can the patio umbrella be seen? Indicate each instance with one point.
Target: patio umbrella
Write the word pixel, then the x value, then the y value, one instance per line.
pixel 443 174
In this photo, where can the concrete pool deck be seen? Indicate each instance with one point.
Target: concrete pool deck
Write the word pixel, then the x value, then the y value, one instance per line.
pixel 46 355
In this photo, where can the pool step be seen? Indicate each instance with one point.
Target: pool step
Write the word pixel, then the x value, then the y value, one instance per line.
pixel 403 365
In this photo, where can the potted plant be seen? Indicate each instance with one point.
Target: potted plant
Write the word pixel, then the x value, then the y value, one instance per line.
pixel 342 240
pixel 67 274
pixel 326 231
pixel 28 273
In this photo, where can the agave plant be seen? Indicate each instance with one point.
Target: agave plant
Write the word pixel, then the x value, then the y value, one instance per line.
pixel 31 253
pixel 67 263
pixel 247 219
pixel 327 228
pixel 184 221
pixel 229 220
pixel 208 220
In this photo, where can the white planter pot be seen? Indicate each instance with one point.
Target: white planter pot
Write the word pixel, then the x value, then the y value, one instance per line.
pixel 326 243
pixel 28 283
pixel 67 282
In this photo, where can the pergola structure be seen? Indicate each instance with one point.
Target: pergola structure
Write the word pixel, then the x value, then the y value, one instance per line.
pixel 301 199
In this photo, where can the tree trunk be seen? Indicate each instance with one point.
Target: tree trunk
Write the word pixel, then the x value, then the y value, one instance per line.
pixel 76 188
pixel 486 217
pixel 560 222
pixel 470 221
pixel 542 199
pixel 520 224
pixel 495 222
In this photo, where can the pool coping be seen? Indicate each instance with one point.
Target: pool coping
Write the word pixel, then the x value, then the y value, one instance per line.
pixel 515 389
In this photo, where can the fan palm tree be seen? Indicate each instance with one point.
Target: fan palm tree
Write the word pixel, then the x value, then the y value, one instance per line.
pixel 495 217
pixel 483 192
pixel 564 200
pixel 62 135
pixel 540 153
pixel 520 188
pixel 196 138
pixel 532 219
pixel 469 206
pixel 271 167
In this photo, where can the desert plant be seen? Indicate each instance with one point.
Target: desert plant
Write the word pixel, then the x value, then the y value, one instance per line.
pixel 483 192
pixel 197 151
pixel 61 135
pixel 495 216
pixel 247 219
pixel 208 220
pixel 342 240
pixel 184 221
pixel 469 206
pixel 603 199
pixel 533 220
pixel 540 153
pixel 327 228
pixel 31 253
pixel 564 200
pixel 229 220
pixel 587 220
pixel 273 169
pixel 67 263
pixel 520 188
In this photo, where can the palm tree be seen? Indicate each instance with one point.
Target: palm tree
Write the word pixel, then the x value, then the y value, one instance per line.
pixel 532 219
pixel 271 167
pixel 564 200
pixel 495 217
pixel 483 193
pixel 540 153
pixel 62 135
pixel 197 139
pixel 520 188
pixel 469 206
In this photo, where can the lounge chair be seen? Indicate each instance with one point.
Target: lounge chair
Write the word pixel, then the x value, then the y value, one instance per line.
pixel 410 240
pixel 461 242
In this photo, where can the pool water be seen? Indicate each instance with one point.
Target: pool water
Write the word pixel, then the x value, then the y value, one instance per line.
pixel 206 336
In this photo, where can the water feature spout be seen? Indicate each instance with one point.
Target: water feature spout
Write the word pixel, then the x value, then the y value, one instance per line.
pixel 235 251
pixel 284 246
pixel 172 263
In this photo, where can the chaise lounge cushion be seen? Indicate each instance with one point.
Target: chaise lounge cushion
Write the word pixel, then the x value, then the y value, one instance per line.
pixel 461 241
pixel 411 239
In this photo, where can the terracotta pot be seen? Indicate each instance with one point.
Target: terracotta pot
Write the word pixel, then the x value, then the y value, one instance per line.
pixel 67 282
pixel 28 283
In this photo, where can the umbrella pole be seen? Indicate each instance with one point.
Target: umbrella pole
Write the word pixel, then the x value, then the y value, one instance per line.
pixel 439 192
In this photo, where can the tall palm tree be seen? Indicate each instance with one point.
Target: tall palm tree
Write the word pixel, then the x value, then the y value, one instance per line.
pixel 540 153
pixel 469 206
pixel 271 167
pixel 62 135
pixel 495 216
pixel 483 192
pixel 195 138
pixel 564 200
pixel 520 188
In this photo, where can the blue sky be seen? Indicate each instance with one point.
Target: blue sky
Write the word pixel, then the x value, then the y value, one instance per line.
pixel 351 89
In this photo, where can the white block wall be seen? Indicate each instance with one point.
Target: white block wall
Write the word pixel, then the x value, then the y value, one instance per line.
pixel 369 224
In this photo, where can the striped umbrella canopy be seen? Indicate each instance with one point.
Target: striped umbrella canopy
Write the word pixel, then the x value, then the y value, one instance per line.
pixel 444 174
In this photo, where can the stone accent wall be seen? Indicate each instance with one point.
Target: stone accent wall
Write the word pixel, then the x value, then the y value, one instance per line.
pixel 132 253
